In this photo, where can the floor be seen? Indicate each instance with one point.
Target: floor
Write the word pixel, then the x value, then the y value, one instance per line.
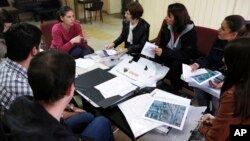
pixel 99 34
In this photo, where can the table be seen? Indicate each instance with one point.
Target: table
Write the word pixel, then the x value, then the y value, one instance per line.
pixel 115 115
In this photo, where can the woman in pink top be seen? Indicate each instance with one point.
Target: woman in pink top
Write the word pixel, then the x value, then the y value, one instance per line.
pixel 68 36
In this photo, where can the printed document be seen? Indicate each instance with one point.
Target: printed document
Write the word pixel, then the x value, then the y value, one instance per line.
pixel 168 109
pixel 187 73
pixel 115 86
pixel 148 50
pixel 134 111
pixel 135 73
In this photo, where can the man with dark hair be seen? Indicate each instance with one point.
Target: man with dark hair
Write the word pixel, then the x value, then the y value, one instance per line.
pixel 41 118
pixel 22 42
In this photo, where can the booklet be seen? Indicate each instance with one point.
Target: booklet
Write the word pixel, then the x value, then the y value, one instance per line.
pixel 170 111
pixel 205 77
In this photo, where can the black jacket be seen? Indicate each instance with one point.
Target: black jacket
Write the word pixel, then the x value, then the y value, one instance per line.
pixel 213 60
pixel 183 52
pixel 27 120
pixel 140 36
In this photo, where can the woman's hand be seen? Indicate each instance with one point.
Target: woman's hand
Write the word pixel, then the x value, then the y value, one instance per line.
pixel 207 119
pixel 122 51
pixel 77 39
pixel 216 85
pixel 110 46
pixel 158 51
pixel 194 67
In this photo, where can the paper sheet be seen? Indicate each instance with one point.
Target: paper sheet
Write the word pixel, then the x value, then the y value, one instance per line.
pixel 84 63
pixel 143 73
pixel 160 71
pixel 122 87
pixel 110 51
pixel 133 72
pixel 133 111
pixel 167 108
pixel 187 73
pixel 148 50
pixel 194 114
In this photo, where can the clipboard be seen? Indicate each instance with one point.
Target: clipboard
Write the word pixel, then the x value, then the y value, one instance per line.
pixel 85 84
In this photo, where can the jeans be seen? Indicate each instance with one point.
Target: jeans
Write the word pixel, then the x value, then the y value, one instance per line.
pixel 204 98
pixel 79 52
pixel 98 128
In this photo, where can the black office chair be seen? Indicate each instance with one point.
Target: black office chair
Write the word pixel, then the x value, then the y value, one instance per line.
pixel 95 6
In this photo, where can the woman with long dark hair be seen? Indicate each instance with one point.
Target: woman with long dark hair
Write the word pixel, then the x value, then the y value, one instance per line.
pixel 232 27
pixel 177 42
pixel 234 106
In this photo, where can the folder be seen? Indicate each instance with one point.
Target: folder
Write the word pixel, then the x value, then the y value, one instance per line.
pixel 85 85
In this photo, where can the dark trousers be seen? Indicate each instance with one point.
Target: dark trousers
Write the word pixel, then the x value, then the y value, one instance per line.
pixel 79 52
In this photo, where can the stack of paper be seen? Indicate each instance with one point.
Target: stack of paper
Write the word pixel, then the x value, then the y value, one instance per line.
pixel 135 112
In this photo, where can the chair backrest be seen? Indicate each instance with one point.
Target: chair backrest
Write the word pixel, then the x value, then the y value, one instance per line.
pixel 205 39
pixel 46 33
pixel 97 5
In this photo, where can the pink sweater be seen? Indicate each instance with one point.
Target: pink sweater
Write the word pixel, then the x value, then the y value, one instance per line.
pixel 61 38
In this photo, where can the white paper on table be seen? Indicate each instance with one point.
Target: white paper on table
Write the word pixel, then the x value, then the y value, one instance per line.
pixel 122 87
pixel 192 121
pixel 176 108
pixel 159 71
pixel 148 50
pixel 111 52
pixel 84 63
pixel 133 109
pixel 133 72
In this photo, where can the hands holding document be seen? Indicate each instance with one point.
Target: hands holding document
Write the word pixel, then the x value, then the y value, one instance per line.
pixel 149 50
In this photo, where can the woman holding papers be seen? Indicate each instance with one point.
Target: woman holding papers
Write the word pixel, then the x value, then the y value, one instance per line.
pixel 176 41
pixel 234 106
pixel 135 30
pixel 233 26
pixel 68 36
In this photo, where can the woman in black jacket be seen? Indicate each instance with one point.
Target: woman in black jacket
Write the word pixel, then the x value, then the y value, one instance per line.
pixel 135 31
pixel 176 43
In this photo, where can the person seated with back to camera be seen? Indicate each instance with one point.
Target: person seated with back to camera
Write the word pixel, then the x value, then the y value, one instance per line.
pixel 232 27
pixel 135 31
pixel 40 118
pixel 14 79
pixel 67 35
pixel 234 104
pixel 176 43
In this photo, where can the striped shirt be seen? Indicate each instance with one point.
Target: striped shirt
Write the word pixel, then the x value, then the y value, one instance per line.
pixel 13 83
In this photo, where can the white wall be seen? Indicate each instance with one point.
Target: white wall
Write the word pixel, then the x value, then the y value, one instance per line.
pixel 209 13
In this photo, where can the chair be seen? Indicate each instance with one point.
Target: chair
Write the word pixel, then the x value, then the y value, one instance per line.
pixel 95 6
pixel 46 33
pixel 205 39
